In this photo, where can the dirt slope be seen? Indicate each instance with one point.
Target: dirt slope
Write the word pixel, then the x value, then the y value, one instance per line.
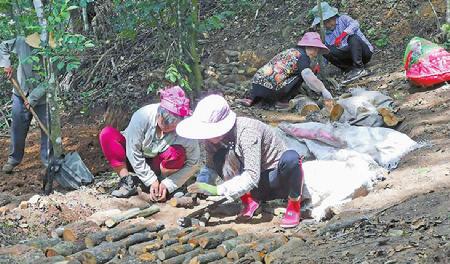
pixel 396 234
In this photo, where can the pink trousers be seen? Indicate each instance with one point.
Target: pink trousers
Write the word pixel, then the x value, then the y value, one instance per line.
pixel 113 146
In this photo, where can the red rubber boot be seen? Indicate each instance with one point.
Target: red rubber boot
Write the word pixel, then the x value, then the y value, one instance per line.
pixel 249 206
pixel 292 216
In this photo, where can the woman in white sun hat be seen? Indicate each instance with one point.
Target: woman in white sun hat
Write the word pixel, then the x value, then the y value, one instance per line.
pixel 252 159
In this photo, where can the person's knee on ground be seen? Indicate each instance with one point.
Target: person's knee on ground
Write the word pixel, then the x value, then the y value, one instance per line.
pixel 172 160
pixel 112 144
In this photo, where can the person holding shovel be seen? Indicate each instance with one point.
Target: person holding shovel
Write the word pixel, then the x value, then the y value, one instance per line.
pixel 252 159
pixel 161 161
pixel 349 48
pixel 280 78
pixel 21 117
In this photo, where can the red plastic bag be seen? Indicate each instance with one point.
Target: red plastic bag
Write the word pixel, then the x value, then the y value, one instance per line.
pixel 426 64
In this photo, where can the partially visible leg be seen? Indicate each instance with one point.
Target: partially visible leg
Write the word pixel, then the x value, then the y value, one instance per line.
pixel 258 93
pixel 21 119
pixel 290 172
pixel 340 58
pixel 289 91
pixel 366 53
pixel 361 54
pixel 355 44
pixel 169 161
pixel 113 145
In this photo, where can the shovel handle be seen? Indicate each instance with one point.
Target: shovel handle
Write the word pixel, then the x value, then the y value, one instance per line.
pixel 24 97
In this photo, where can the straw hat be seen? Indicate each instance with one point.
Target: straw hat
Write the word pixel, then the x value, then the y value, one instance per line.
pixel 211 118
pixel 34 40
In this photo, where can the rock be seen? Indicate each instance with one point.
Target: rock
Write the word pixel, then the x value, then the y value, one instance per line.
pixel 241 71
pixel 211 83
pixel 34 199
pixel 235 78
pixel 231 53
pixel 5 199
pixel 250 58
pixel 4 210
pixel 251 71
pixel 23 205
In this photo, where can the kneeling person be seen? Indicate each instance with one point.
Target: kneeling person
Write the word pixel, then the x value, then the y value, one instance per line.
pixel 149 146
pixel 281 77
pixel 260 167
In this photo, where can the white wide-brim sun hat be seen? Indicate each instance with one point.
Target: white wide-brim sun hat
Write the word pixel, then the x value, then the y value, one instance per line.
pixel 211 118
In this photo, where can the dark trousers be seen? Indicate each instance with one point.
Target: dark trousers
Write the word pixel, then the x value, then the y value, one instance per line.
pixel 21 119
pixel 279 183
pixel 355 55
pixel 261 93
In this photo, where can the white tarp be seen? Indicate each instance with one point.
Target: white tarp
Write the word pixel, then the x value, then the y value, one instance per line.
pixel 348 158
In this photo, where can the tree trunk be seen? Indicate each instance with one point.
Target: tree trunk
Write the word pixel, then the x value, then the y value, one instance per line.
pixel 175 233
pixel 185 239
pixel 58 232
pixel 193 43
pixel 138 238
pixel 148 257
pixel 65 248
pixel 206 258
pixel 448 12
pixel 184 202
pixel 228 245
pixel 85 19
pixel 303 105
pixel 55 120
pixel 150 246
pixel 21 254
pixel 173 251
pixel 42 243
pixel 79 230
pixel 15 12
pixel 100 217
pixel 52 260
pixel 96 238
pixel 322 36
pixel 293 245
pixel 213 241
pixel 153 209
pixel 124 232
pixel 239 251
pixel 196 240
pixel 99 254
pixel 186 256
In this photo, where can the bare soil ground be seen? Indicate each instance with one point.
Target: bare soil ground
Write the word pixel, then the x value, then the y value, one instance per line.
pixel 405 219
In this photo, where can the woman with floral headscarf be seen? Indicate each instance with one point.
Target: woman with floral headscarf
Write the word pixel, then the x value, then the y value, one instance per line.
pixel 160 160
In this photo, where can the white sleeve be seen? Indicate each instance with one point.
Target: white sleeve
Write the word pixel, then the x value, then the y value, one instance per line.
pixel 315 84
pixel 134 137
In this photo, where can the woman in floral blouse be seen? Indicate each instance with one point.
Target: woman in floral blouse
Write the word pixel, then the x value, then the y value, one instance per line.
pixel 279 78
